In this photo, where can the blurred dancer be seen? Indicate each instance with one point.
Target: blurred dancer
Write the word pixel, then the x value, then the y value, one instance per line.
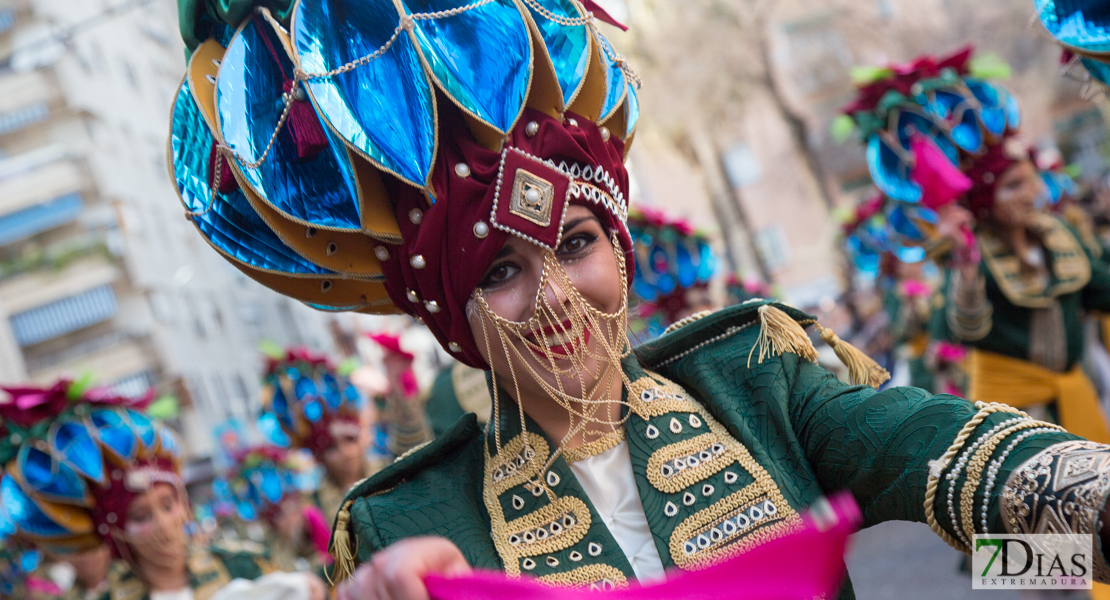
pixel 406 424
pixel 267 483
pixel 89 468
pixel 318 409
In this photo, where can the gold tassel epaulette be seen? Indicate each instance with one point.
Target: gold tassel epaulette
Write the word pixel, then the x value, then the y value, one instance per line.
pixel 779 333
pixel 862 369
pixel 340 550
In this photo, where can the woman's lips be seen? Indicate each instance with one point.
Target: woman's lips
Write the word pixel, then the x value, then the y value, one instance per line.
pixel 560 340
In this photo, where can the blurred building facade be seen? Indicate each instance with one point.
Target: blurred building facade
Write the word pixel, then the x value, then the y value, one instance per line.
pixel 99 269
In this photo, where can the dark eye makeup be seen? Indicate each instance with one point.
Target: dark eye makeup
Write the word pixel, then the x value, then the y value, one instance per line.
pixel 573 246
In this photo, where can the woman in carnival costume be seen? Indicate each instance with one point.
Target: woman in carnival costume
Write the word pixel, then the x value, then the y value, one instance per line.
pixel 269 483
pixel 86 469
pixel 308 404
pixel 1019 279
pixel 487 141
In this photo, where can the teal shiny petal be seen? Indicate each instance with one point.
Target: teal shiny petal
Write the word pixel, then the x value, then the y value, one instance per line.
pixel 615 84
pixel 889 172
pixel 75 444
pixel 1082 24
pixel 318 189
pixel 114 433
pixel 24 513
pixel 231 225
pixel 50 478
pixel 384 108
pixel 632 110
pixel 567 45
pixel 481 57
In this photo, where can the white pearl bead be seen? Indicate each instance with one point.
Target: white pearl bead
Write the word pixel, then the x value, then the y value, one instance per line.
pixel 605 134
pixel 381 253
pixel 462 170
pixel 481 230
pixel 532 196
pixel 418 262
pixel 416 216
pixel 572 122
pixel 453 347
pixel 431 306
pixel 531 128
pixel 411 295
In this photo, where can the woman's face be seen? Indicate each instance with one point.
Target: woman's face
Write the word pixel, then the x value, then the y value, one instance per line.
pixel 155 527
pixel 344 459
pixel 1016 195
pixel 510 286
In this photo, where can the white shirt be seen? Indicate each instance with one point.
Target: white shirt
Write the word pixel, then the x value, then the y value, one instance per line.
pixel 185 593
pixel 608 481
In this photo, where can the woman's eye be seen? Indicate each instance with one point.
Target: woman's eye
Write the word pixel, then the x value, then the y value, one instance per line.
pixel 499 273
pixel 576 243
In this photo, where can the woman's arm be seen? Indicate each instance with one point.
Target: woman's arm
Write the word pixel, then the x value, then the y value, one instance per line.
pixel 963 468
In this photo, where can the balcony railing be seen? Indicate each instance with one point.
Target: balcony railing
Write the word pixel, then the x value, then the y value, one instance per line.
pixel 39 218
pixel 64 316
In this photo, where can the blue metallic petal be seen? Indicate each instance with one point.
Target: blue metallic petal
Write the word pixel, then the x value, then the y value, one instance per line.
pixel 966 132
pixel 331 391
pixel 313 411
pixel 903 224
pixel 232 225
pixel 114 433
pixel 566 45
pixel 246 511
pixel 384 109
pixel 23 511
pixel 1084 24
pixel 271 430
pixel 890 174
pixel 270 486
pixel 1013 111
pixel 614 77
pixel 318 190
pixel 305 388
pixel 143 428
pixel 74 442
pixel 481 58
pixel 684 265
pixel 49 478
pixel 631 110
pixel 910 123
pixel 168 442
pixel 993 112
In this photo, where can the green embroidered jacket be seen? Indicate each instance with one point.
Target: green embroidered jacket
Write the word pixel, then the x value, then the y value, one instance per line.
pixel 1079 282
pixel 757 444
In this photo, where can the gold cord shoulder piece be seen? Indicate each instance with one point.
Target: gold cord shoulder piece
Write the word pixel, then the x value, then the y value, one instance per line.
pixel 686 321
pixel 862 369
pixel 340 550
pixel 778 334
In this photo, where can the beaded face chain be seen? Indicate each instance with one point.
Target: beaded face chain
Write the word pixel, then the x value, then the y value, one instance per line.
pixel 594 365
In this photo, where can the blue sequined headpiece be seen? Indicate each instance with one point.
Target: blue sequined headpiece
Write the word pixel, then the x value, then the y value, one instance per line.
pixel 63 451
pixel 262 477
pixel 285 144
pixel 1083 29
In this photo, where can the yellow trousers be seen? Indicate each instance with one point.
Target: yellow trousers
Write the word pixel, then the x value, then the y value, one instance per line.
pixel 1022 384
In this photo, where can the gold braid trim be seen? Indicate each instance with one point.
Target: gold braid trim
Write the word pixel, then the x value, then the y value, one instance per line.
pixel 666 477
pixel 975 471
pixel 723 541
pixel 599 576
pixel 548 529
pixel 655 396
pixel 778 334
pixel 601 444
pixel 862 369
pixel 340 549
pixel 938 466
pixel 520 468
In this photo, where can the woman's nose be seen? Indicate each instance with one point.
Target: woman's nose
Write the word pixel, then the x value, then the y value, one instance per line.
pixel 556 297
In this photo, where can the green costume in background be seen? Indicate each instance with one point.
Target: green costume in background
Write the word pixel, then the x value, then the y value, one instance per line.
pixel 457 390
pixel 1027 332
pixel 757 445
pixel 209 570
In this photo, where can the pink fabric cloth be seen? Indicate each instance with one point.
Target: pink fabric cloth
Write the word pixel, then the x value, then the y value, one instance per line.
pixel 806 564
pixel 941 181
pixel 318 528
